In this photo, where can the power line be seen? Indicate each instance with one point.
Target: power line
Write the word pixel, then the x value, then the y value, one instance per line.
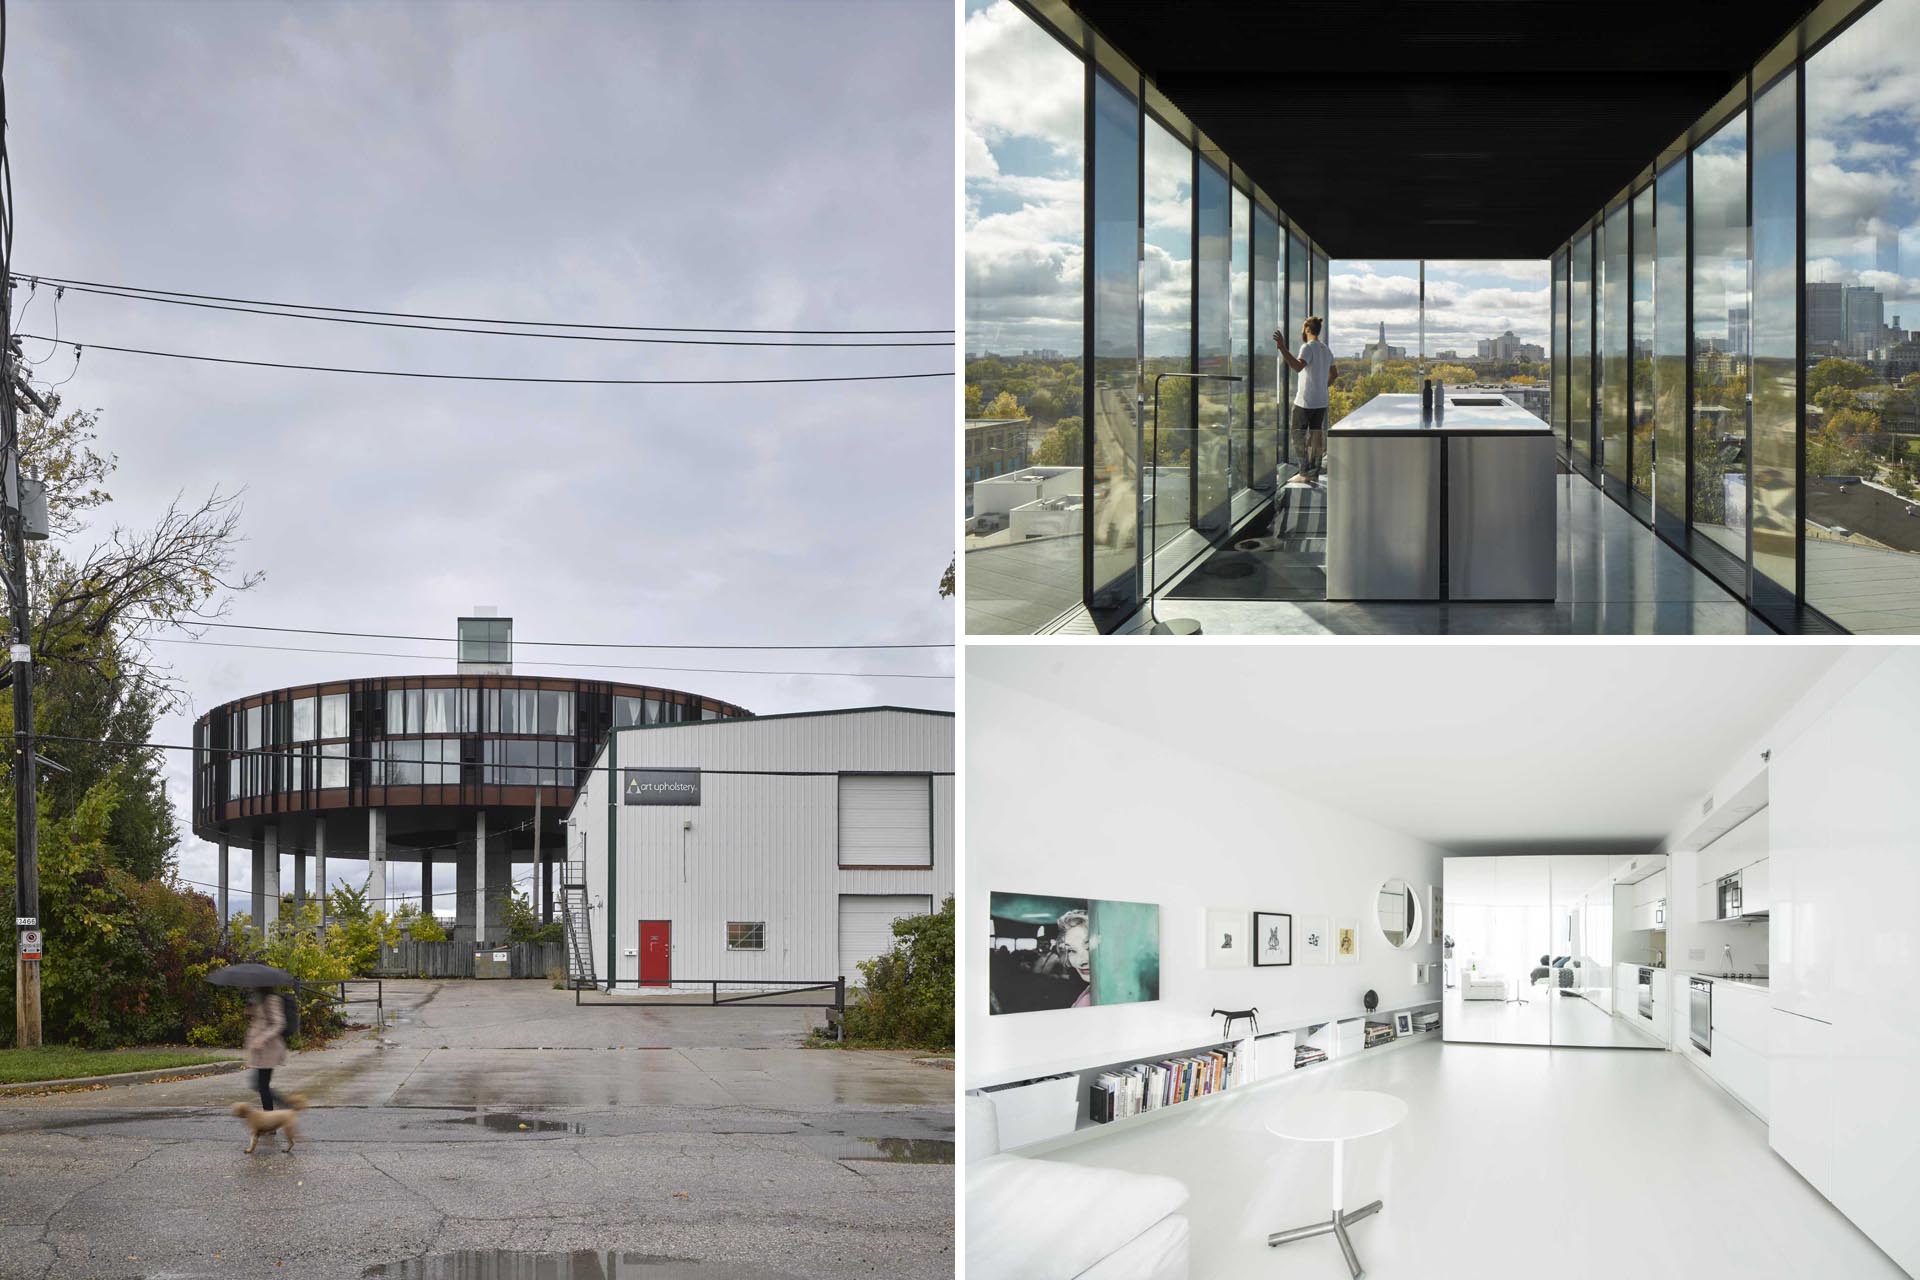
pixel 498 377
pixel 497 333
pixel 419 315
pixel 575 666
pixel 538 644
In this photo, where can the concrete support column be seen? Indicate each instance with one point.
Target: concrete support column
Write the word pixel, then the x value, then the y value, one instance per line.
pixel 320 867
pixel 482 876
pixel 377 860
pixel 270 889
pixel 426 884
pixel 464 861
pixel 299 882
pixel 546 890
pixel 499 885
pixel 226 878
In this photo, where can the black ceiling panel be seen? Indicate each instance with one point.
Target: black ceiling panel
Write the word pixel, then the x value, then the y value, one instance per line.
pixel 1443 129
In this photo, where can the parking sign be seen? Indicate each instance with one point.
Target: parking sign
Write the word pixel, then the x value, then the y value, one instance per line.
pixel 29 944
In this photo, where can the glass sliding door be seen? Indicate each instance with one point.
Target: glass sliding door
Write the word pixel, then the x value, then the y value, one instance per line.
pixel 1166 274
pixel 1113 450
pixel 1614 265
pixel 1213 348
pixel 1670 352
pixel 1265 456
pixel 1863 323
pixel 1640 469
pixel 1776 350
pixel 1240 285
pixel 1721 325
pixel 1580 355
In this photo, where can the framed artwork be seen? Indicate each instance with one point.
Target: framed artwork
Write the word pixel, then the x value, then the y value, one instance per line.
pixel 1403 1024
pixel 1346 941
pixel 1047 952
pixel 1272 939
pixel 1434 904
pixel 1226 939
pixel 1315 946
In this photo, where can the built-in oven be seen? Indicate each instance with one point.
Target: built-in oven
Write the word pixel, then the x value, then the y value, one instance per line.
pixel 1700 1014
pixel 1727 897
pixel 1646 994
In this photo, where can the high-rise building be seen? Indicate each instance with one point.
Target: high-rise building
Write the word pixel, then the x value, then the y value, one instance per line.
pixel 1826 327
pixel 1863 309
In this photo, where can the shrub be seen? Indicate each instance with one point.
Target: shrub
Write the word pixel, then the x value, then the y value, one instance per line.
pixel 908 1000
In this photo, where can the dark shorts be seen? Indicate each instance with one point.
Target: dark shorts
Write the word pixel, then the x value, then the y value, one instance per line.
pixel 1309 419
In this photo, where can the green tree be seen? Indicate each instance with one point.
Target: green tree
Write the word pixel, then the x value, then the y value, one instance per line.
pixel 1061 446
pixel 1835 372
pixel 523 923
pixel 976 399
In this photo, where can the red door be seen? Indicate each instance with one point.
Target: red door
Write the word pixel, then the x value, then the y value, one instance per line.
pixel 656 953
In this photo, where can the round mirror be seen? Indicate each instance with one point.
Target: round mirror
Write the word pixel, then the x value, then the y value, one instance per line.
pixel 1399 913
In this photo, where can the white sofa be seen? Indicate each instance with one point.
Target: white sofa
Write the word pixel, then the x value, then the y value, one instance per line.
pixel 1050 1220
pixel 1480 985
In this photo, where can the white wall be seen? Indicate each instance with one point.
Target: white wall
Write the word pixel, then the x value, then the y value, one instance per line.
pixel 1062 803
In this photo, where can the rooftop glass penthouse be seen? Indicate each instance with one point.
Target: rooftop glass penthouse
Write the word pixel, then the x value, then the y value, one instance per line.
pixel 1686 235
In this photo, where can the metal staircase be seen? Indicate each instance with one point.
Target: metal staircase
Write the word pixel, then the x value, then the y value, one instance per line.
pixel 573 900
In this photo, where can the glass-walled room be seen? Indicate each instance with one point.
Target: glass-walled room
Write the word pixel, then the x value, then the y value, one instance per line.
pixel 1125 405
pixel 1735 354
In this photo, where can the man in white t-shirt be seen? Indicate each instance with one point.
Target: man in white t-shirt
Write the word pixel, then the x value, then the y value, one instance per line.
pixel 1315 364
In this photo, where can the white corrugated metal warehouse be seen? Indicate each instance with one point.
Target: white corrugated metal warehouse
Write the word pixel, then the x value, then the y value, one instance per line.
pixel 779 848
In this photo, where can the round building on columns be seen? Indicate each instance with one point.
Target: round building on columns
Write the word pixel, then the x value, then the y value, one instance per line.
pixel 464 774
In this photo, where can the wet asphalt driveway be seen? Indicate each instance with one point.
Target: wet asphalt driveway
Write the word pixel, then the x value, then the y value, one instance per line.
pixel 495 1116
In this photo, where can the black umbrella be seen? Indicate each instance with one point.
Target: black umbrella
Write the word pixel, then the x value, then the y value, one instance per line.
pixel 252 975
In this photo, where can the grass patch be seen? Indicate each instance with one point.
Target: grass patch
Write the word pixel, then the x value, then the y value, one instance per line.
pixel 62 1062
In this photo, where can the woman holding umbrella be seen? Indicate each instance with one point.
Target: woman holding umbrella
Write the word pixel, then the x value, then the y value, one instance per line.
pixel 266 1042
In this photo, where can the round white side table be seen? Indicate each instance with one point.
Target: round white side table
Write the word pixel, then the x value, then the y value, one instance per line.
pixel 1336 1117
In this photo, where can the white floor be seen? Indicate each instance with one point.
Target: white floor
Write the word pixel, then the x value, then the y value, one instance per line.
pixel 1541 1017
pixel 1512 1162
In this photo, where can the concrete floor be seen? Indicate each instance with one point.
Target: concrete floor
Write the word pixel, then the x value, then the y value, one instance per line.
pixel 497 1115
pixel 1512 1163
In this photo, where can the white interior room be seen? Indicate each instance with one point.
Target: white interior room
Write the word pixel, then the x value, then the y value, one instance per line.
pixel 1579 960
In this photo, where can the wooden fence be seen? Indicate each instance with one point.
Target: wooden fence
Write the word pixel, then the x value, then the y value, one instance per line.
pixel 455 959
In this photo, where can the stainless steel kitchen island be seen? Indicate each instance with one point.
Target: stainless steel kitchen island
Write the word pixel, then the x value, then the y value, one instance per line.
pixel 1459 508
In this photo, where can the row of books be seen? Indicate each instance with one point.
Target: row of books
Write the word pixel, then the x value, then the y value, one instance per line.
pixel 1378 1033
pixel 1305 1055
pixel 1148 1086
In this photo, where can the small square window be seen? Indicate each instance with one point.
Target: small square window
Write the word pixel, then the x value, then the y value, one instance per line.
pixel 746 936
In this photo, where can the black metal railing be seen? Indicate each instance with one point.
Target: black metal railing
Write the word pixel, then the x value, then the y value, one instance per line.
pixel 684 992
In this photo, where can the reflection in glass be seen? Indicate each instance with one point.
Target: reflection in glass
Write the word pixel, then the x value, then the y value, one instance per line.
pixel 1213 337
pixel 1580 350
pixel 1242 293
pixel 1720 345
pixel 1116 345
pixel 1264 457
pixel 1614 454
pixel 1320 304
pixel 1378 320
pixel 1776 366
pixel 1297 302
pixel 1166 273
pixel 1670 351
pixel 1640 361
pixel 1861 508
pixel 1558 345
pixel 1024 205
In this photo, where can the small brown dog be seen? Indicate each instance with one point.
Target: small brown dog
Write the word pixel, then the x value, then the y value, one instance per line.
pixel 281 1121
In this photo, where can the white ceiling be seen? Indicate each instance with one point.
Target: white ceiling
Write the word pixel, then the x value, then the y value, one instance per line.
pixel 1470 747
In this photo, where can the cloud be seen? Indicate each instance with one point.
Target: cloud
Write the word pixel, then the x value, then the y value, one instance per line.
pixel 1021 82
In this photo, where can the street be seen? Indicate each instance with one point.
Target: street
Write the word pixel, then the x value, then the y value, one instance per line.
pixel 688 1141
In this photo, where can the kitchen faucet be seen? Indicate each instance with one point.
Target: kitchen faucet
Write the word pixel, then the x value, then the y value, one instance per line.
pixel 1726 949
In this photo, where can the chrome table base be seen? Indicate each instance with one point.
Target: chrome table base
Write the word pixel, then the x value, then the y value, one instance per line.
pixel 1336 1226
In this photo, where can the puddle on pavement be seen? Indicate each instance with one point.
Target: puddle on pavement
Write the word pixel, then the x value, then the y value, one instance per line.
pixel 585 1264
pixel 885 1150
pixel 507 1122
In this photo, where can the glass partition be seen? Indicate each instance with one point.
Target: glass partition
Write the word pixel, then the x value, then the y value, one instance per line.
pixel 1213 339
pixel 1670 351
pixel 1720 345
pixel 1166 274
pixel 1113 394
pixel 1775 339
pixel 1862 303
pixel 1640 394
pixel 1580 351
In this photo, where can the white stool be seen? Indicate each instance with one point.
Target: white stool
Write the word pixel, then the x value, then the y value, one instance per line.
pixel 1335 1117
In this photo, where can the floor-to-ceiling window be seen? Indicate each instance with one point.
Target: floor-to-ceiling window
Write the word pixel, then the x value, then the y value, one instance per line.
pixel 1299 299
pixel 1613 345
pixel 1861 504
pixel 1558 345
pixel 1113 386
pixel 1376 304
pixel 1213 346
pixel 1026 131
pixel 1721 329
pixel 1240 290
pixel 1166 279
pixel 1670 351
pixel 1321 304
pixel 1640 387
pixel 1266 318
pixel 1580 353
pixel 1775 347
pixel 1487 322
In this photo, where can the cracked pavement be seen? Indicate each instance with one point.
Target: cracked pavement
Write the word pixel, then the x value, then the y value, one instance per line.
pixel 496 1115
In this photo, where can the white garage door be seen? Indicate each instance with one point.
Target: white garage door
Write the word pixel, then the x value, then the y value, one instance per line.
pixel 886 820
pixel 866 926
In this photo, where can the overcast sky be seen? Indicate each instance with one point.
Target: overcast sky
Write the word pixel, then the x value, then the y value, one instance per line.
pixel 779 164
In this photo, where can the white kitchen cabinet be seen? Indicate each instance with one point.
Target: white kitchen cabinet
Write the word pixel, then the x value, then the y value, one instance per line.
pixel 1678 1013
pixel 1741 1071
pixel 1651 889
pixel 1800 1095
pixel 1706 902
pixel 1756 887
